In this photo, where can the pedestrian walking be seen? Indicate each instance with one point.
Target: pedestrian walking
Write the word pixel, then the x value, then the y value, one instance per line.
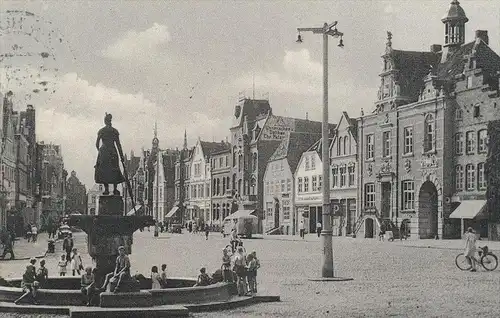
pixel 318 228
pixel 251 274
pixel 62 265
pixel 301 229
pixel 257 266
pixel 34 233
pixel 68 246
pixel 470 247
pixel 8 244
pixel 76 262
pixel 207 231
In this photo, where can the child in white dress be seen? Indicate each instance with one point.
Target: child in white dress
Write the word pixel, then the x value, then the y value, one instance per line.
pixel 155 278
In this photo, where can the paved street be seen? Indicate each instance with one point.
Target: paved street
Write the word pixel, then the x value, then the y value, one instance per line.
pixel 390 279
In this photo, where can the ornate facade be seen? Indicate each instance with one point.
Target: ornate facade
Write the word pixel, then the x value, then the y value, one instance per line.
pixel 412 146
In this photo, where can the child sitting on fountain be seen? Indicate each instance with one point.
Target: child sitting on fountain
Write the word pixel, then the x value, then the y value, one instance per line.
pixel 203 278
pixel 87 284
pixel 122 269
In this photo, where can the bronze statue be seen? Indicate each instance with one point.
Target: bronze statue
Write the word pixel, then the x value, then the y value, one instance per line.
pixel 107 169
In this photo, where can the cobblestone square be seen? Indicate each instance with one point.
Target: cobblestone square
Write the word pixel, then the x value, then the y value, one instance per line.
pixel 398 279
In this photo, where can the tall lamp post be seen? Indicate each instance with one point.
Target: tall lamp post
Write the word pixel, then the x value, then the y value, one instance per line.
pixel 327 232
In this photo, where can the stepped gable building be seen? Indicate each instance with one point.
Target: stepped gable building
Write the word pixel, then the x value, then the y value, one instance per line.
pixel 308 182
pixel 255 135
pixel 343 178
pixel 422 150
pixel 279 196
pixel 222 193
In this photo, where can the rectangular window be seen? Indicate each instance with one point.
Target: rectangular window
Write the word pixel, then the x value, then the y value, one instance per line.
pixel 299 185
pixel 266 189
pixel 470 142
pixel 408 140
pixel 482 141
pixel 343 175
pixel 459 143
pixel 470 177
pixel 369 195
pixel 313 163
pixel 386 143
pixel 370 147
pixel 335 177
pixel 477 111
pixel 351 175
pixel 459 178
pixel 306 184
pixel 481 179
pixel 429 134
pixel 307 167
pixel 408 195
pixel 314 183
pixel 221 162
pixel 269 210
pixel 288 185
pixel 469 82
pixel 283 186
pixel 286 209
pixel 277 187
pixel 320 182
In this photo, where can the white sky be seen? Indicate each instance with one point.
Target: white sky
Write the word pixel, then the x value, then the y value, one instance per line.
pixel 183 63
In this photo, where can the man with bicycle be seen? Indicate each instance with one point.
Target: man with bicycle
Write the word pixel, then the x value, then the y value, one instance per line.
pixel 470 247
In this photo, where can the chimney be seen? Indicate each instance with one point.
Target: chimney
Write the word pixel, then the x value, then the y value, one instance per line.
pixel 483 35
pixel 435 48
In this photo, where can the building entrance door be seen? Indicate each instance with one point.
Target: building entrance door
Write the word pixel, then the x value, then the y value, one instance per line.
pixel 369 228
pixel 385 208
pixel 312 219
pixel 277 214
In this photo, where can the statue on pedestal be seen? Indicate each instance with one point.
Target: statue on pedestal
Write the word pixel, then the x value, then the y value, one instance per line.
pixel 107 169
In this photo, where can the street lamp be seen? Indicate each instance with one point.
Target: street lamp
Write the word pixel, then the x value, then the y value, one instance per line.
pixel 327 232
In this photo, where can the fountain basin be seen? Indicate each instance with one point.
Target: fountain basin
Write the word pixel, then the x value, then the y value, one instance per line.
pixel 65 291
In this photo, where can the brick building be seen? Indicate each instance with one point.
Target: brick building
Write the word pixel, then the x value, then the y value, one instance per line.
pixel 76 195
pixel 255 135
pixel 222 192
pixel 409 170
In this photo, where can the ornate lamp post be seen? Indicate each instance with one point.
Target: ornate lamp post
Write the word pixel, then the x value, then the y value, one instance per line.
pixel 327 270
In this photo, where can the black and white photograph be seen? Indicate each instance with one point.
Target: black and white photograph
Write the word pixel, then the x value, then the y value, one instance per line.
pixel 249 158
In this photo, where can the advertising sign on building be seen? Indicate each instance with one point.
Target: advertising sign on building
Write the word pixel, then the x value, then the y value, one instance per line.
pixel 276 128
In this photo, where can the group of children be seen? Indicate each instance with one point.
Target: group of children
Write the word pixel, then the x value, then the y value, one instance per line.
pixel 75 261
pixel 33 279
pixel 159 280
pixel 244 267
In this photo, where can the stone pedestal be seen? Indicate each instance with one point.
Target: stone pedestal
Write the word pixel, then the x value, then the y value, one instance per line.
pixel 108 231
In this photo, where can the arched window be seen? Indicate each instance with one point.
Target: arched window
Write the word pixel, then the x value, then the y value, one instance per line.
pixel 223 185
pixel 214 187
pixel 345 145
pixel 339 140
pixel 218 186
pixel 429 133
pixel 234 181
pixel 254 161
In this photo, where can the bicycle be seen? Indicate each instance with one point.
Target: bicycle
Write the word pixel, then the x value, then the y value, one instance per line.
pixel 487 259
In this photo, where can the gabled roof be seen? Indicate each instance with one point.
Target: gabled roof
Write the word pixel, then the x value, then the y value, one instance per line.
pixel 317 146
pixel 292 147
pixel 132 164
pixel 224 149
pixel 209 148
pixel 455 63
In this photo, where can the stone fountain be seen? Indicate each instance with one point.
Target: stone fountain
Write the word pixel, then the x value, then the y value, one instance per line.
pixel 107 231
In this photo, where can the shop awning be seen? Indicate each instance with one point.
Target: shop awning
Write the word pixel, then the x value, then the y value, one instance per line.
pixel 469 209
pixel 132 212
pixel 172 212
pixel 240 213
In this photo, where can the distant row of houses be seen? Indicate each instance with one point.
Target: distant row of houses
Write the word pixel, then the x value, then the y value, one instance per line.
pixel 417 159
pixel 33 186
